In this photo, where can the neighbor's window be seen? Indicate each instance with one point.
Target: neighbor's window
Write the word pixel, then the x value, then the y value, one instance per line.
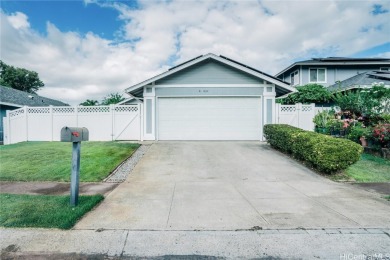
pixel 295 78
pixel 317 75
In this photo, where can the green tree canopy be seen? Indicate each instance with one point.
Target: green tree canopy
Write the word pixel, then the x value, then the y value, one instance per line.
pixel 89 102
pixel 367 102
pixel 112 98
pixel 19 78
pixel 310 93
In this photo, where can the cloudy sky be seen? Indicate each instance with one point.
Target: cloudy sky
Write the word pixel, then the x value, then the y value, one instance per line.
pixel 87 49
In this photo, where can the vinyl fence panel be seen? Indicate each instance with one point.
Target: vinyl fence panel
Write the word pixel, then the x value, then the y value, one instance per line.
pixel 297 115
pixel 105 123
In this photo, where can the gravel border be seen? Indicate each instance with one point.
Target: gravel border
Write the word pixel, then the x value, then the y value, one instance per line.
pixel 122 171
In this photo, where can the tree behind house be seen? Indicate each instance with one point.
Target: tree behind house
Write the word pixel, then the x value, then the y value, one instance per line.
pixel 110 99
pixel 113 98
pixel 310 93
pixel 19 78
pixel 89 102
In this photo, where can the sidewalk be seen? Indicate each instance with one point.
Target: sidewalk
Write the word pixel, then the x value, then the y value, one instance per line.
pixel 130 244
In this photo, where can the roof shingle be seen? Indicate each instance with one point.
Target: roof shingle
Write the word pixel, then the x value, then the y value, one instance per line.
pixel 365 79
pixel 12 96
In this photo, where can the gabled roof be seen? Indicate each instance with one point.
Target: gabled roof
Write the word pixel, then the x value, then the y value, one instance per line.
pixel 281 86
pixel 363 80
pixel 17 98
pixel 340 61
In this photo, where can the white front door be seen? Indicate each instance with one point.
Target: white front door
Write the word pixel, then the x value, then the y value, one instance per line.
pixel 209 118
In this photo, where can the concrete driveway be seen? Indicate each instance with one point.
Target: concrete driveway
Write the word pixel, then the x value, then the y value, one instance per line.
pixel 231 186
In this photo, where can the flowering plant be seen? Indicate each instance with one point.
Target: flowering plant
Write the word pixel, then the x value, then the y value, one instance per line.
pixel 381 134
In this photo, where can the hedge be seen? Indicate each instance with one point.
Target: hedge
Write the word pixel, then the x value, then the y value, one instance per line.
pixel 323 152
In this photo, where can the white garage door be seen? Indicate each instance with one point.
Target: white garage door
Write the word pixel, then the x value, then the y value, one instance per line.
pixel 213 118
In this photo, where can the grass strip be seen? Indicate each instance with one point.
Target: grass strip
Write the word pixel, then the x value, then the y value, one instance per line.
pixel 370 169
pixel 51 161
pixel 43 211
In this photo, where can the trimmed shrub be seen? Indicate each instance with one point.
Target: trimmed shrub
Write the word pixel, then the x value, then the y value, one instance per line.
pixel 325 153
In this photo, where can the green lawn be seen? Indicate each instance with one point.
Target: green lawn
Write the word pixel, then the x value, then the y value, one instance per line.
pixel 51 161
pixel 43 211
pixel 370 169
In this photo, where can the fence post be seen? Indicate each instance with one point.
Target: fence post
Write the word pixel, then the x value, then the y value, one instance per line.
pixel 313 114
pixel 277 112
pixel 51 121
pixel 141 122
pixel 112 110
pixel 8 129
pixel 299 109
pixel 76 113
pixel 26 118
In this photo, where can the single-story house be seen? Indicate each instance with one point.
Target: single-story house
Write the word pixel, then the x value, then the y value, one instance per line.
pixel 209 97
pixel 11 99
pixel 363 80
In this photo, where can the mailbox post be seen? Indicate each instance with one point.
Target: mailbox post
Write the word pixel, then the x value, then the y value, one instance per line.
pixel 74 135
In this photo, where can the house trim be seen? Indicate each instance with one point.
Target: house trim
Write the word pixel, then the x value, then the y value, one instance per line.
pixel 212 85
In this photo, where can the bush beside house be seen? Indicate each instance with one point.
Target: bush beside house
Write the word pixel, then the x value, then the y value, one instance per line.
pixel 325 153
pixel 361 115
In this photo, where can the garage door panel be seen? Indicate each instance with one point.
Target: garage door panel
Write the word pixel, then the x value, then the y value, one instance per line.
pixel 202 118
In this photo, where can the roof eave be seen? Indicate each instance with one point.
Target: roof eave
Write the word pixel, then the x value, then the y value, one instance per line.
pixel 287 69
pixel 10 104
pixel 327 63
pixel 202 58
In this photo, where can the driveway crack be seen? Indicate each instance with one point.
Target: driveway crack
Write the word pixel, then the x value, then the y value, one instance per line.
pixel 170 208
pixel 124 244
pixel 323 205
pixel 266 221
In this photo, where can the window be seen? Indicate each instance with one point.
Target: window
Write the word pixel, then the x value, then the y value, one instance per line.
pixel 317 75
pixel 384 69
pixel 294 78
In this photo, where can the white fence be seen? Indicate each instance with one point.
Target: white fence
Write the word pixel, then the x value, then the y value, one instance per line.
pixel 297 115
pixel 108 123
pixel 105 123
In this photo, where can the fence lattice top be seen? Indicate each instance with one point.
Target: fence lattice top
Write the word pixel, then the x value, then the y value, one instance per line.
pixel 63 110
pixel 71 110
pixel 93 109
pixel 288 109
pixel 126 109
pixel 16 112
pixel 307 108
pixel 38 110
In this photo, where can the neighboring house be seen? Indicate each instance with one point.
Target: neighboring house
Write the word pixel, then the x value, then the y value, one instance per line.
pixel 208 98
pixel 363 80
pixel 11 99
pixel 328 71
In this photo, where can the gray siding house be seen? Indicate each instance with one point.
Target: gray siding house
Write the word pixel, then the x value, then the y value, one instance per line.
pixel 11 99
pixel 329 71
pixel 208 98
